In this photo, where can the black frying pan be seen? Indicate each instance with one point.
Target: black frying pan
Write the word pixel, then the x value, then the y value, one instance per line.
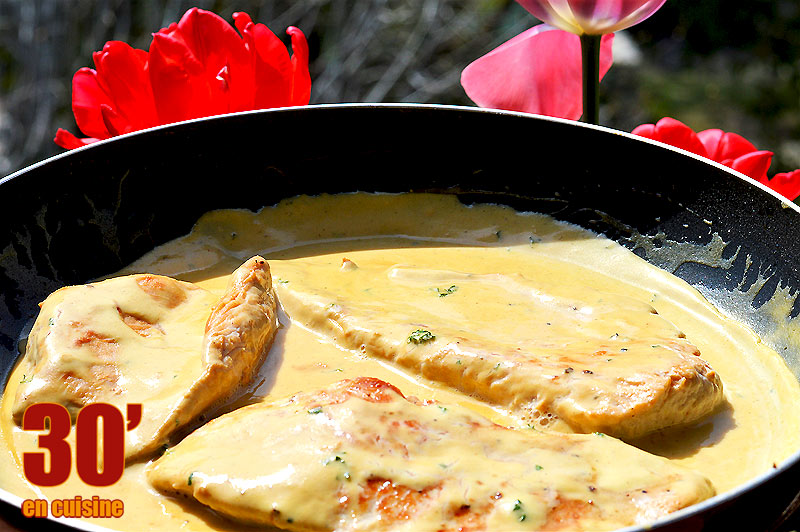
pixel 89 212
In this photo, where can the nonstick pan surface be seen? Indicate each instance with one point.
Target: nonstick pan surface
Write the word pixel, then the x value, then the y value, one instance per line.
pixel 89 212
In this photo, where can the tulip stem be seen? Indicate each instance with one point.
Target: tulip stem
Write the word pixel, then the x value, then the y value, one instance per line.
pixel 590 56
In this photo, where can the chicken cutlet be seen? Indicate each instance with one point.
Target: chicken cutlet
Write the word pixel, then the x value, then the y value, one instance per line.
pixel 358 455
pixel 596 363
pixel 169 345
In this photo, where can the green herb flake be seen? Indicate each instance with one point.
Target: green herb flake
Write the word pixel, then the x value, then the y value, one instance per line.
pixel 442 408
pixel 315 410
pixel 281 281
pixel 538 467
pixel 518 508
pixel 420 336
pixel 25 379
pixel 336 458
pixel 599 434
pixel 496 367
pixel 444 292
pixel 443 466
pixel 458 362
pixel 189 482
pixel 51 322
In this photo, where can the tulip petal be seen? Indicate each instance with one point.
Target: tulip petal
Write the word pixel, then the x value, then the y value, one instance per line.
pixel 271 63
pixel 301 79
pixel 786 184
pixel 68 141
pixel 538 71
pixel 122 74
pixel 87 96
pixel 753 165
pixel 721 146
pixel 173 70
pixel 673 132
pixel 186 60
pixel 115 124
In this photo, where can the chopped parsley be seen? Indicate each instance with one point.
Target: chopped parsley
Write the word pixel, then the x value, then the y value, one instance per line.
pixel 189 482
pixel 315 410
pixel 518 508
pixel 420 336
pixel 25 379
pixel 340 460
pixel 444 292
pixel 599 434
pixel 442 408
pixel 51 322
pixel 538 467
pixel 458 362
pixel 336 458
pixel 281 281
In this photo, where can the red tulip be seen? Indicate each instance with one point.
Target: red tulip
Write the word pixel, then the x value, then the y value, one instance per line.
pixel 538 71
pixel 591 17
pixel 197 67
pixel 729 149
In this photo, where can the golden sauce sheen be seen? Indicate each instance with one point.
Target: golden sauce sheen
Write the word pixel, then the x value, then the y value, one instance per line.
pixel 757 428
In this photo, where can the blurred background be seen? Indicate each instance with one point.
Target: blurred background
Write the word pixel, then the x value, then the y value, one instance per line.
pixel 729 64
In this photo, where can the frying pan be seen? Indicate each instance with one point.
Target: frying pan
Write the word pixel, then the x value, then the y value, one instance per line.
pixel 89 212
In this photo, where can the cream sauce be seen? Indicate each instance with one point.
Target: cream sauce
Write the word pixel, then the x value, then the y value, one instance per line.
pixel 758 428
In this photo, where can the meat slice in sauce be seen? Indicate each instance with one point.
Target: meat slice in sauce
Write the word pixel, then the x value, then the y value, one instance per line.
pixel 358 455
pixel 598 362
pixel 173 347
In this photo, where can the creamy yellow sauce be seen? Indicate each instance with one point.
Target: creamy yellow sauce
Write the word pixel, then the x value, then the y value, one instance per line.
pixel 755 430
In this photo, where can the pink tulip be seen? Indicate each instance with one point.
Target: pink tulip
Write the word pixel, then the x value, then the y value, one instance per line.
pixel 538 71
pixel 591 17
